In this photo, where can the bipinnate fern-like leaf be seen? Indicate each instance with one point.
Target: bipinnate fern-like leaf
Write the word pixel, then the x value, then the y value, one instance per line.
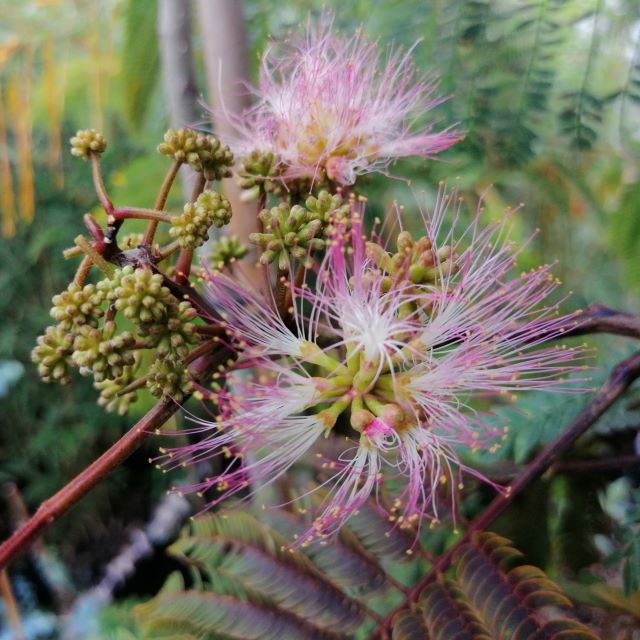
pixel 242 569
pixel 247 581
pixel 488 598
pixel 262 561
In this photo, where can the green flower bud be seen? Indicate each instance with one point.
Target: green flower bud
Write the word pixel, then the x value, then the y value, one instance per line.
pixel 204 153
pixel 226 251
pixel 102 352
pixel 77 306
pixel 258 173
pixel 192 226
pixel 110 389
pixel 52 355
pixel 86 142
pixel 169 378
pixel 415 260
pixel 139 294
pixel 329 210
pixel 173 336
pixel 287 231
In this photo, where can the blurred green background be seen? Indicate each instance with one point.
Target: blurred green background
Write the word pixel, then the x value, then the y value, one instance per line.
pixel 548 92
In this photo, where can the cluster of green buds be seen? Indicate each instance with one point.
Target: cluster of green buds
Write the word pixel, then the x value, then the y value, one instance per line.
pixel 87 141
pixel 296 231
pixel 78 306
pixel 287 232
pixel 114 396
pixel 191 228
pixel 416 261
pixel 53 353
pixel 162 323
pixel 204 153
pixel 257 174
pixel 130 240
pixel 330 210
pixel 169 377
pixel 226 250
pixel 102 352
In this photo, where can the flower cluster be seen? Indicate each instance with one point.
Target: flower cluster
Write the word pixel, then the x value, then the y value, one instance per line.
pixel 331 108
pixel 86 142
pixel 80 340
pixel 191 228
pixel 296 231
pixel 383 348
pixel 204 153
pixel 393 358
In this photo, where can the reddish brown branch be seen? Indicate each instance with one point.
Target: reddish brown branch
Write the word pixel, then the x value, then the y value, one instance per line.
pixel 622 376
pixel 137 213
pixel 50 510
pixel 617 463
pixel 600 319
pixel 96 232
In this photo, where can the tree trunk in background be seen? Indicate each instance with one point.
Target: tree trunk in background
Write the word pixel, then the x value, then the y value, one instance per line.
pixel 226 60
pixel 178 75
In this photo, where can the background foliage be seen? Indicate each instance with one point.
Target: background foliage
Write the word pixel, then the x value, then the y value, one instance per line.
pixel 548 92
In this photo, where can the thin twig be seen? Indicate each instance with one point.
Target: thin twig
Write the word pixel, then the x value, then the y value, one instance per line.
pixel 138 213
pixel 83 270
pixel 96 232
pixel 622 376
pixel 87 248
pixel 50 510
pixel 71 252
pixel 616 463
pixel 201 350
pixel 597 318
pixel 164 252
pixel 161 200
pixel 98 183
pixel 282 286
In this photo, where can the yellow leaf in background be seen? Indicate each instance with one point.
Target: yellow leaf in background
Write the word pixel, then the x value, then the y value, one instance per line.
pixel 53 97
pixel 7 196
pixel 19 111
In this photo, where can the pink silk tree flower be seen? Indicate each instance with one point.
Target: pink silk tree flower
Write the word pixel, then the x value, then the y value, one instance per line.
pixel 390 348
pixel 335 107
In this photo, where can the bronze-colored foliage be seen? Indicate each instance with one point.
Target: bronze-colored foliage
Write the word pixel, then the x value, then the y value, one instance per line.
pixel 245 574
pixel 493 596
